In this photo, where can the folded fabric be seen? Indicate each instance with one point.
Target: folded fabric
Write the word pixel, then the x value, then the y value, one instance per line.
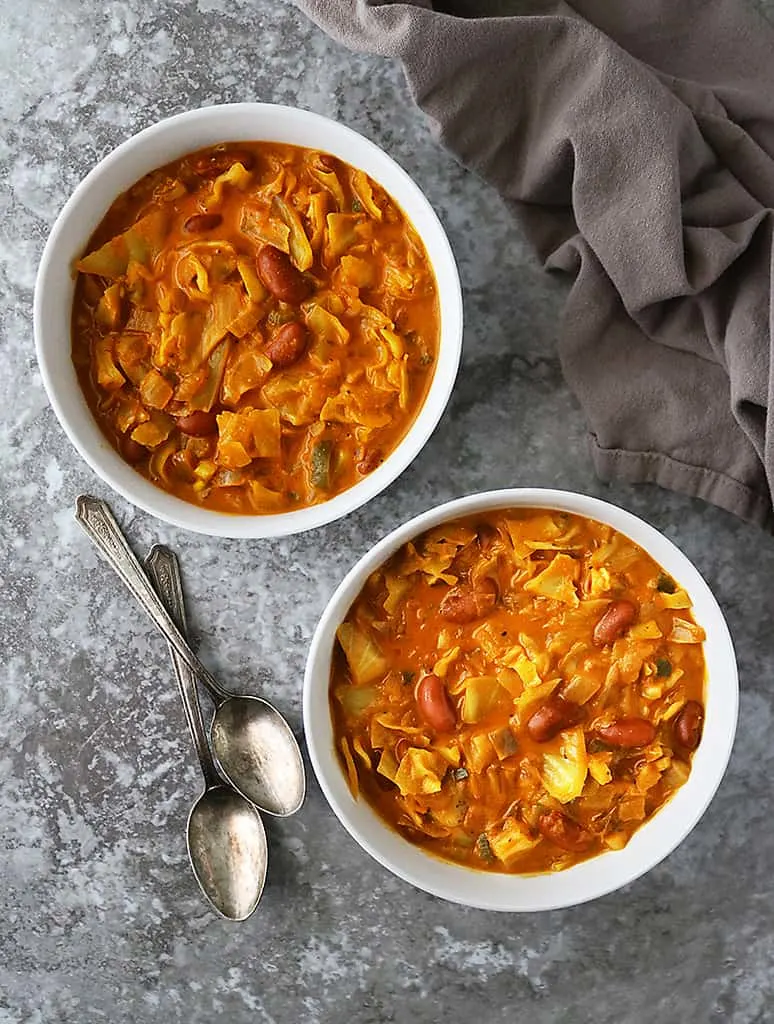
pixel 635 142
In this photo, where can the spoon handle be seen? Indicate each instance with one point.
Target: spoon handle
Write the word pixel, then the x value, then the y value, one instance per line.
pixel 97 521
pixel 164 571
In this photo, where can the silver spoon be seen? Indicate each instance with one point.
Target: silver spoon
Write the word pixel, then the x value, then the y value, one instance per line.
pixel 225 834
pixel 253 744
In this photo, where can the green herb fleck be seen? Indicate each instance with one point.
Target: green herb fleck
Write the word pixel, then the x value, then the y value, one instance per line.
pixel 666 584
pixel 408 677
pixel 357 206
pixel 663 667
pixel 483 849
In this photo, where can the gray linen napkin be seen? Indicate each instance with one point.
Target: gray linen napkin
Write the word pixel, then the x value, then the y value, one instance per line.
pixel 634 140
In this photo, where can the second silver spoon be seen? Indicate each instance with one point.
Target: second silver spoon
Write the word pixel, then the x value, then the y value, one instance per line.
pixel 226 838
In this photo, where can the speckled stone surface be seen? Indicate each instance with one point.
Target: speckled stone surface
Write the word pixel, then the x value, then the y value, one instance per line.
pixel 101 919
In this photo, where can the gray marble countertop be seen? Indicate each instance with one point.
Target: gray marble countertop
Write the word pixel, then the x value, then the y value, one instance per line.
pixel 102 920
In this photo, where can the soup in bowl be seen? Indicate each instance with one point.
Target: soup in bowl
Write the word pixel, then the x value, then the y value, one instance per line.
pixel 521 700
pixel 265 317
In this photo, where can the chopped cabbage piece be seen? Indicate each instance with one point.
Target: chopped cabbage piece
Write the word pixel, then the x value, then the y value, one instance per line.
pixel 442 665
pixel 228 301
pixel 254 431
pixel 205 397
pixel 342 231
pixel 247 369
pixel 685 632
pixel 357 272
pixel 478 750
pixel 557 581
pixel 258 224
pixel 581 688
pixel 141 243
pixel 678 600
pixel 299 248
pixel 511 840
pixel 236 176
pixel 263 499
pixel 110 307
pixel 361 187
pixel 599 767
pixel 155 390
pixel 365 659
pixel 352 778
pixel 254 286
pixel 316 212
pixel 433 561
pixel 153 431
pixel 397 587
pixel 481 695
pixel 632 808
pixel 324 325
pixel 299 397
pixel 355 700
pixel 564 774
pixel 527 671
pixel 420 771
pixel 504 742
pixel 321 171
pixel 108 374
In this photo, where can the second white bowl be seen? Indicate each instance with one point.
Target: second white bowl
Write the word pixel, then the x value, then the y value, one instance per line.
pixel 589 879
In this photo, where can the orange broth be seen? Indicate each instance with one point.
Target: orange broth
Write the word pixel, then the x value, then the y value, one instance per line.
pixel 518 691
pixel 255 326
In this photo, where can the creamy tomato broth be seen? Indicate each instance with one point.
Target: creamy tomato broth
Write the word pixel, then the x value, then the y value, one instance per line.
pixel 255 326
pixel 518 691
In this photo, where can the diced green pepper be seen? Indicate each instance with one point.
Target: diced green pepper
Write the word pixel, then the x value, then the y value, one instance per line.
pixel 663 667
pixel 321 465
pixel 666 584
pixel 483 849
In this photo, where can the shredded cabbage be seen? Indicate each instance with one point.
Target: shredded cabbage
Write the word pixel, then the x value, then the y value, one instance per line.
pixel 365 659
pixel 564 773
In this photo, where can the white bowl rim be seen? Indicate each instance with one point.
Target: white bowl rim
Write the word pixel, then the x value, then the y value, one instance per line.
pixel 103 459
pixel 654 841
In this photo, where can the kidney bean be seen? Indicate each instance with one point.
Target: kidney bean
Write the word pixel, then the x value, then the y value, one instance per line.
pixel 434 704
pixel 556 714
pixel 689 724
pixel 198 424
pixel 283 280
pixel 132 451
pixel 617 618
pixel 563 831
pixel 628 732
pixel 466 603
pixel 210 165
pixel 200 222
pixel 287 345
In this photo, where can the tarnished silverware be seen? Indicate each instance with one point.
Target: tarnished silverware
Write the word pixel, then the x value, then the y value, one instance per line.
pixel 226 838
pixel 253 744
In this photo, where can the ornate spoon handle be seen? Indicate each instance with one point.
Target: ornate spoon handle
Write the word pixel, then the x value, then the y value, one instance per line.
pixel 164 571
pixel 97 521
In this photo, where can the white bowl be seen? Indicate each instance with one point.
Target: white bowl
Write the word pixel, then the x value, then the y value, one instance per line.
pixel 592 878
pixel 152 148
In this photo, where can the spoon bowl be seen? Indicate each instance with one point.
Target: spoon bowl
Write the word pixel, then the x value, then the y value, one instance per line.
pixel 228 851
pixel 256 750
